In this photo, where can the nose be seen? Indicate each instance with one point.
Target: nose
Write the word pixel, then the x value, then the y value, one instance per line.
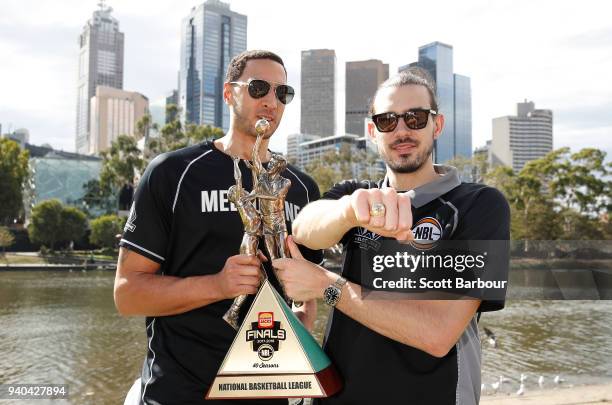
pixel 402 128
pixel 269 100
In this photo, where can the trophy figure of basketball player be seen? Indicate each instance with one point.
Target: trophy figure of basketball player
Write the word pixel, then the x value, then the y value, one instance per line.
pixel 270 189
pixel 251 220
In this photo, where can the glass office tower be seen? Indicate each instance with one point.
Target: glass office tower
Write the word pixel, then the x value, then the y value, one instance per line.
pixel 463 116
pixel 211 36
pixel 437 59
pixel 454 101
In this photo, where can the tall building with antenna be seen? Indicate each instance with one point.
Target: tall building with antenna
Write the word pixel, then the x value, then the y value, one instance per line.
pixel 100 63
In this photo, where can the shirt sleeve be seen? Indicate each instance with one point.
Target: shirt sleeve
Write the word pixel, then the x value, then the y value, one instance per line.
pixel 314 256
pixel 339 190
pixel 148 226
pixel 488 219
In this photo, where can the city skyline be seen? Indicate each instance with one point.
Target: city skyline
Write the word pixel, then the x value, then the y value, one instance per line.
pixel 559 62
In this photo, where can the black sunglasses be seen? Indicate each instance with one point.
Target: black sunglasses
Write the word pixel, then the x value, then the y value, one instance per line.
pixel 259 88
pixel 415 118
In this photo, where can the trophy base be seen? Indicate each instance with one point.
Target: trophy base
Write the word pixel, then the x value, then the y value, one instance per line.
pixel 274 356
pixel 319 385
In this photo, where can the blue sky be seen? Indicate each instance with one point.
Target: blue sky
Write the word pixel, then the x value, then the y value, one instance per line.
pixel 555 53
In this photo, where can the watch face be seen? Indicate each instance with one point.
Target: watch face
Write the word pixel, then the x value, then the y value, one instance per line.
pixel 332 294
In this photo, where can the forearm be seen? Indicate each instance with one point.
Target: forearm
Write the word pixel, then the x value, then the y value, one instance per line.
pixel 322 223
pixel 432 326
pixel 149 294
pixel 307 314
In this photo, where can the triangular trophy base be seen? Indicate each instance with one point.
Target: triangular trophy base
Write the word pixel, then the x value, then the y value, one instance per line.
pixel 274 356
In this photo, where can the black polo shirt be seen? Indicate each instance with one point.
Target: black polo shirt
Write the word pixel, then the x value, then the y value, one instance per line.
pixel 182 219
pixel 378 370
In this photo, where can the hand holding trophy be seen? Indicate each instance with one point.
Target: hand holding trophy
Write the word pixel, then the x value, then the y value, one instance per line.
pixel 272 355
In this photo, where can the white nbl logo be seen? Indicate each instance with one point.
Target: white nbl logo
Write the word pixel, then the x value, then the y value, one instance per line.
pixel 426 232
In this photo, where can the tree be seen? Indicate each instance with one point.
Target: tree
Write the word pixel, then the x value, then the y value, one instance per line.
pixel 105 229
pixel 6 238
pixel 45 227
pixel 173 135
pixel 472 169
pixel 121 163
pixel 341 164
pixel 97 196
pixel 74 224
pixel 13 173
pixel 52 223
pixel 325 176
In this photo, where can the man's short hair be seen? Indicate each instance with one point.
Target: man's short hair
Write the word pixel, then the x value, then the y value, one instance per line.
pixel 412 75
pixel 238 62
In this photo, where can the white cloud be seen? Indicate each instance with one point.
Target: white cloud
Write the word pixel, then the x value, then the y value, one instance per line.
pixel 557 54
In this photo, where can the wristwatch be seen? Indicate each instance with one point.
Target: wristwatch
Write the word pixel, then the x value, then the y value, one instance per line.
pixel 331 295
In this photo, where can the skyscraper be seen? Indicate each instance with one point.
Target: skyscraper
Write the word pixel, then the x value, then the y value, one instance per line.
pixel 463 116
pixel 318 104
pixel 114 112
pixel 521 138
pixel 100 63
pixel 211 36
pixel 454 101
pixel 362 80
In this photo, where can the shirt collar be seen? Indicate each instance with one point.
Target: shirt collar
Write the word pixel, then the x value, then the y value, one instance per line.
pixel 448 180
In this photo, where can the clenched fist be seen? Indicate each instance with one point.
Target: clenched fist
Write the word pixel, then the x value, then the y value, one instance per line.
pixel 394 222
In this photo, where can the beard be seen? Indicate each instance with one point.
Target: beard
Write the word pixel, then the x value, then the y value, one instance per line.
pixel 241 122
pixel 408 163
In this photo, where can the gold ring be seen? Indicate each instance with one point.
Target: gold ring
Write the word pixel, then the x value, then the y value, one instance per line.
pixel 377 210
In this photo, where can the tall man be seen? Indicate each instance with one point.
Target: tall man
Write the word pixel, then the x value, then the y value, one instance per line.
pixel 398 351
pixel 179 264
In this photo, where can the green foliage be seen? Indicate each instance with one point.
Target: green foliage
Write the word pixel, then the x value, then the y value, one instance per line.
pixel 121 163
pixel 98 196
pixel 74 224
pixel 336 166
pixel 174 136
pixel 124 161
pixel 51 223
pixel 560 196
pixel 105 229
pixel 6 238
pixel 13 173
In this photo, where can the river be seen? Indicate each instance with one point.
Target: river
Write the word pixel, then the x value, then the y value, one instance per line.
pixel 62 328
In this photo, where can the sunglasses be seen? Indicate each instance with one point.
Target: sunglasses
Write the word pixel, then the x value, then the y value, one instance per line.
pixel 259 88
pixel 415 118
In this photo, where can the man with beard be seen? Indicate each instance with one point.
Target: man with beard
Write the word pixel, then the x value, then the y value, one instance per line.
pixel 179 263
pixel 398 351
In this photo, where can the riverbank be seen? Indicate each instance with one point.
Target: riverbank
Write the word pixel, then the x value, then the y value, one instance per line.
pixel 75 261
pixel 577 395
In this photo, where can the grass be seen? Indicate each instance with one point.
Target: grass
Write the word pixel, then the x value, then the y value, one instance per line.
pixel 11 258
pixel 16 258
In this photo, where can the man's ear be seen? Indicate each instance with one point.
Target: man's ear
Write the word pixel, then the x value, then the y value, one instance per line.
pixel 438 125
pixel 228 93
pixel 371 130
